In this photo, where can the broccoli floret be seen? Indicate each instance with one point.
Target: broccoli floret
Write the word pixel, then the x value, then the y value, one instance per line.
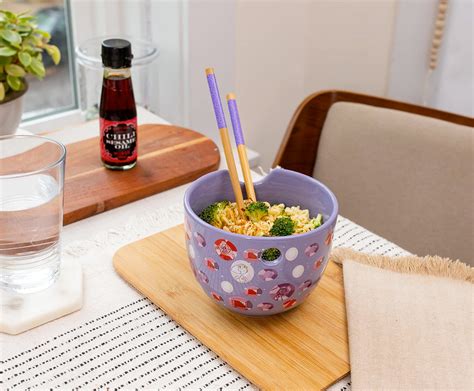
pixel 256 210
pixel 317 221
pixel 270 254
pixel 209 213
pixel 283 226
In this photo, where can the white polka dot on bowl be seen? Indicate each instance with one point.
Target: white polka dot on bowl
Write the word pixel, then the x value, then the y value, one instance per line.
pixel 291 254
pixel 227 286
pixel 298 271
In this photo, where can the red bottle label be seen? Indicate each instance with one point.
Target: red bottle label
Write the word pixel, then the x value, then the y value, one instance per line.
pixel 118 141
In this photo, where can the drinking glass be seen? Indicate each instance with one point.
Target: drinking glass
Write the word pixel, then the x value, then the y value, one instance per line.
pixel 31 211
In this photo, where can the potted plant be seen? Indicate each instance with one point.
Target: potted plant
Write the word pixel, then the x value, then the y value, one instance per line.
pixel 21 53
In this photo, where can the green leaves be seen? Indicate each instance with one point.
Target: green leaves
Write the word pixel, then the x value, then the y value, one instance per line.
pixel 8 16
pixel 5 60
pixel 15 70
pixel 54 52
pixel 26 18
pixel 24 58
pixel 14 82
pixel 12 37
pixel 21 51
pixel 37 68
pixel 24 29
pixel 7 51
pixel 44 34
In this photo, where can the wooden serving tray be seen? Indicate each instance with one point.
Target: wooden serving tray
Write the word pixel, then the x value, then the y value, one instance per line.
pixel 168 156
pixel 304 349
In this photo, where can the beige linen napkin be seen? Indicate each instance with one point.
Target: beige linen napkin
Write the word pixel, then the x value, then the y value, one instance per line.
pixel 410 322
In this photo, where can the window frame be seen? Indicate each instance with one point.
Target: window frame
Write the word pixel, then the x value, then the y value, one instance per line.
pixel 51 113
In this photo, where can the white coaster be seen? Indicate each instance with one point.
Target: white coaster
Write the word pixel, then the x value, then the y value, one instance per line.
pixel 21 312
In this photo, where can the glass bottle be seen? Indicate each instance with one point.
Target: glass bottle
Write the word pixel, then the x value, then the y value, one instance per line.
pixel 118 112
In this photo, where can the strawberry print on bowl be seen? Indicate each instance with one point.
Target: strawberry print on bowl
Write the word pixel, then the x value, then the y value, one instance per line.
pixel 240 277
pixel 239 303
pixel 251 255
pixel 318 263
pixel 225 249
pixel 253 291
pixel 329 237
pixel 216 296
pixel 211 264
pixel 289 303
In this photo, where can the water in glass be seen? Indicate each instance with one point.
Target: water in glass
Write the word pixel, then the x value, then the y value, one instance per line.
pixel 31 214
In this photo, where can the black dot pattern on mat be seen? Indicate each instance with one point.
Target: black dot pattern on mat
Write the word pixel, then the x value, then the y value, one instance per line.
pixel 137 346
pixel 119 345
pixel 124 364
pixel 73 330
pixel 163 374
pixel 87 341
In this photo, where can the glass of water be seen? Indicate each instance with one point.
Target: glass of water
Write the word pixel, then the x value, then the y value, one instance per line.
pixel 31 211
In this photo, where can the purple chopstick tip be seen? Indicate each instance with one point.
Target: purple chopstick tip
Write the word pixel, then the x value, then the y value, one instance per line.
pixel 216 101
pixel 235 119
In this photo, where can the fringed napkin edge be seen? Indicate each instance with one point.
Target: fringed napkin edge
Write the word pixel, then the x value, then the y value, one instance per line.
pixel 428 265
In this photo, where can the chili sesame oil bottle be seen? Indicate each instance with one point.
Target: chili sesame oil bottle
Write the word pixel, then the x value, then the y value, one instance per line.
pixel 118 113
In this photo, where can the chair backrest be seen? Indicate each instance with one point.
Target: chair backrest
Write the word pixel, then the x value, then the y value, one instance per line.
pixel 408 177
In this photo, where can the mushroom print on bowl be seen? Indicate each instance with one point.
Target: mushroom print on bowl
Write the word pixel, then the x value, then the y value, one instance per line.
pixel 229 267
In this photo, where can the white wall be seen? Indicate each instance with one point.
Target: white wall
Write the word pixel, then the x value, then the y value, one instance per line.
pixel 273 53
pixel 287 50
pixel 211 36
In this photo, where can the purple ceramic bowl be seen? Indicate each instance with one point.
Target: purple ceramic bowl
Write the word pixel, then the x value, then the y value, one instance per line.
pixel 228 266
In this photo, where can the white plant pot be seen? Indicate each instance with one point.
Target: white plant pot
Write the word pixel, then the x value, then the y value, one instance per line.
pixel 10 114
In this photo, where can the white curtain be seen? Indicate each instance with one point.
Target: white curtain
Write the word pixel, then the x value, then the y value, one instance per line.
pixel 450 86
pixel 453 81
pixel 161 22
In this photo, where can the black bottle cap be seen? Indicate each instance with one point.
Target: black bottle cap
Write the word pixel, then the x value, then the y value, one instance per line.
pixel 117 53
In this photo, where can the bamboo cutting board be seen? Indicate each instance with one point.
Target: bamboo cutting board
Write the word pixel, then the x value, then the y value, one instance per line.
pixel 303 349
pixel 168 156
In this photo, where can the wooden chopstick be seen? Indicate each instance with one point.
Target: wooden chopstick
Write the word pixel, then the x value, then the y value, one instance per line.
pixel 224 133
pixel 241 148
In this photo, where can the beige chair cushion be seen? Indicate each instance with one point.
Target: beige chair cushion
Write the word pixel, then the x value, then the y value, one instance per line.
pixel 407 177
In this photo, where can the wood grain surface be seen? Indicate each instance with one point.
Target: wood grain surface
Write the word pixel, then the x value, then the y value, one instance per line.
pixel 303 349
pixel 168 156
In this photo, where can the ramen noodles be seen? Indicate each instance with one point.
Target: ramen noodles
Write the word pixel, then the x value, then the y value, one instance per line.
pixel 260 218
